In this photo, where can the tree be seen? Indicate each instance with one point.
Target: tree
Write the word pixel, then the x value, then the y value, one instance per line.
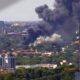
pixel 20 73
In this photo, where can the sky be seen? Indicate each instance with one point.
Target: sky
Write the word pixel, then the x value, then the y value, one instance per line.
pixel 23 10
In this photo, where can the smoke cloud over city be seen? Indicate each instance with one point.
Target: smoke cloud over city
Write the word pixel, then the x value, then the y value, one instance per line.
pixel 57 24
pixel 63 20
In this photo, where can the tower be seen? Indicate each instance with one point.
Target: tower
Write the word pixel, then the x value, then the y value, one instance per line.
pixel 1 61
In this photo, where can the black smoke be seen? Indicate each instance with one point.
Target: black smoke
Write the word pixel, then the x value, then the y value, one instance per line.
pixel 64 18
pixel 35 30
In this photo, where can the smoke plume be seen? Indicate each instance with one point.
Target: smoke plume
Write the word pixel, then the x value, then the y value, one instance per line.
pixel 64 18
pixel 48 39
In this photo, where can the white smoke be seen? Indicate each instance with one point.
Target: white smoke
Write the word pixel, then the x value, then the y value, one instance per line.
pixel 53 38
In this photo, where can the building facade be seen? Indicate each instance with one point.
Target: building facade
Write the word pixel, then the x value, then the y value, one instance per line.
pixel 7 62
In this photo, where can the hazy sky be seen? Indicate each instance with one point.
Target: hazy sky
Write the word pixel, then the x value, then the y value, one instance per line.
pixel 23 10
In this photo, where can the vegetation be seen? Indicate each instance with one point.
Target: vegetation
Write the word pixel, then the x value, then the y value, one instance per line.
pixel 68 54
pixel 62 73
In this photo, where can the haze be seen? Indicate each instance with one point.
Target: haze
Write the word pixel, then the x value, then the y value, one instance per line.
pixel 24 10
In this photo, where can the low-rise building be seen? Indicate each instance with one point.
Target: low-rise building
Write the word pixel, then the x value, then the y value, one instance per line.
pixel 7 62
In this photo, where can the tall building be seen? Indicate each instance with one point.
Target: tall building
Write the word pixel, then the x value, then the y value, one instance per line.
pixel 7 61
pixel 1 61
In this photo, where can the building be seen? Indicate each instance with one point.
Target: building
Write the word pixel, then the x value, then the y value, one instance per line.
pixel 7 62
pixel 47 54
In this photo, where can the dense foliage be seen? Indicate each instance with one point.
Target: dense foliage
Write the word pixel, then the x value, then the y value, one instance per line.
pixel 62 73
